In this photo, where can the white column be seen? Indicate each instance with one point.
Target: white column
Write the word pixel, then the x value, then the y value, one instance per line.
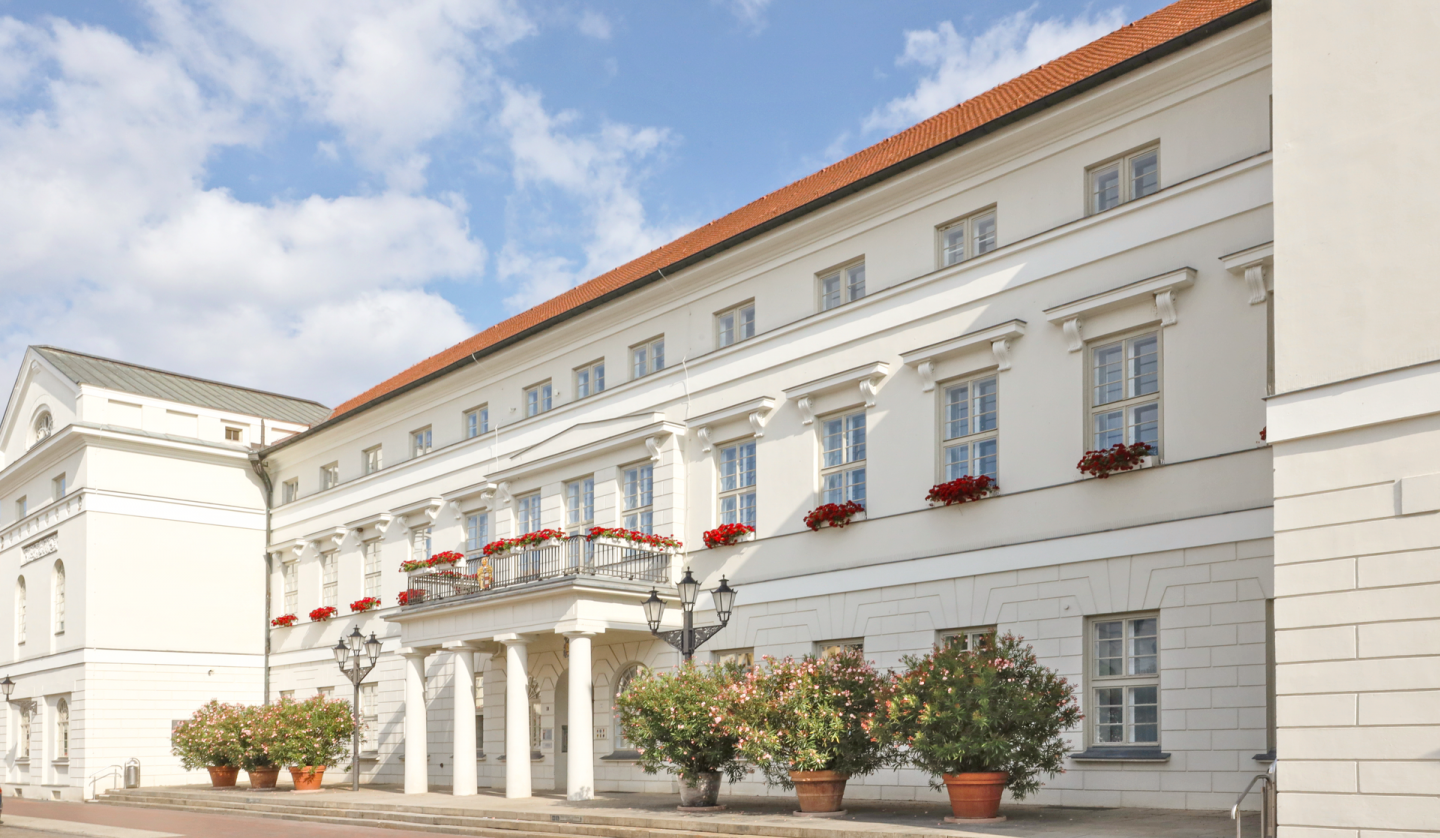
pixel 465 782
pixel 417 768
pixel 580 766
pixel 517 716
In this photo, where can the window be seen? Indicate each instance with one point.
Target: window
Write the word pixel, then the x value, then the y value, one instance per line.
pixel 234 434
pixel 370 717
pixel 967 238
pixel 24 749
pixel 743 657
pixel 59 597
pixel 290 490
pixel 836 647
pixel 970 428
pixel 842 285
pixel 648 357
pixel 58 486
pixel 44 426
pixel 532 689
pixel 326 693
pixel 291 573
pixel 22 508
pixel 640 498
pixel 370 460
pixel 20 606
pixel 62 729
pixel 537 399
pixel 527 514
pixel 737 483
pixel 422 543
pixel 477 531
pixel 969 640
pixel 477 422
pixel 284 694
pixel 590 379
pixel 842 467
pixel 480 712
pixel 735 325
pixel 1125 664
pixel 329 580
pixel 1125 392
pixel 330 476
pixel 371 551
pixel 420 442
pixel 1124 179
pixel 626 676
pixel 579 518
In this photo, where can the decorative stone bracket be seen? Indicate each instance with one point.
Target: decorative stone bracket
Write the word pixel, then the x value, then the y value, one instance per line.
pixel 998 337
pixel 1257 266
pixel 757 411
pixel 1163 289
pixel 867 378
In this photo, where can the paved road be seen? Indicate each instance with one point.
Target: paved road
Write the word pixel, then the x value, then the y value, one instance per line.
pixel 92 820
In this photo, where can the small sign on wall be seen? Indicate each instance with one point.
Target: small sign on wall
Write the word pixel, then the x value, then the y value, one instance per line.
pixel 602 733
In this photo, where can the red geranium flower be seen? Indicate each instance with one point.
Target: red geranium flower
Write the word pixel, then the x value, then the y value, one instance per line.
pixel 284 620
pixel 833 514
pixel 323 613
pixel 726 534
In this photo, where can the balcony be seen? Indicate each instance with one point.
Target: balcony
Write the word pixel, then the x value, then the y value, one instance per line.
pixel 572 557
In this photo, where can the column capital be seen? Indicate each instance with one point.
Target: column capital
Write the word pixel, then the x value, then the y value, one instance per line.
pixel 578 629
pixel 416 651
pixel 470 645
pixel 512 639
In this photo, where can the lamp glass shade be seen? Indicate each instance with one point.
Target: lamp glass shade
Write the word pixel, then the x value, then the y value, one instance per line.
pixel 654 610
pixel 724 597
pixel 689 590
pixel 341 653
pixel 372 647
pixel 356 641
pixel 7 686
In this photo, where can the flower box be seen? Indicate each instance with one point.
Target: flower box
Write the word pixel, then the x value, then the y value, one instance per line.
pixel 1117 458
pixel 622 537
pixel 962 490
pixel 727 534
pixel 368 603
pixel 833 514
pixel 448 558
pixel 414 596
pixel 323 613
pixel 528 541
pixel 284 621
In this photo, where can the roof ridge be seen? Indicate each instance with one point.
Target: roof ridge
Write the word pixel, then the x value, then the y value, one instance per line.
pixel 187 376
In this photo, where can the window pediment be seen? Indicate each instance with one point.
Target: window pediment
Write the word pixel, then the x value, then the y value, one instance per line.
pixel 1163 289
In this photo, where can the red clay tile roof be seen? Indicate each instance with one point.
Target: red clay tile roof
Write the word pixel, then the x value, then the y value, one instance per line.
pixel 1129 42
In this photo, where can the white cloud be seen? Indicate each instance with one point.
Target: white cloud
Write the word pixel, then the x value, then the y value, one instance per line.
pixel 958 67
pixel 749 12
pixel 592 24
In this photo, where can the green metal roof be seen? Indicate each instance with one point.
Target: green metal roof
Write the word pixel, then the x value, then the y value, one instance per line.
pixel 186 389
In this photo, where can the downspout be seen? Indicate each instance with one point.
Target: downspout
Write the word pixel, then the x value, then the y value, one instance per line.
pixel 258 466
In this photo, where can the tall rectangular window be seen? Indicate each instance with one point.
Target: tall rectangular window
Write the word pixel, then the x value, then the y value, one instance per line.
pixel 537 399
pixel 371 460
pixel 420 442
pixel 580 505
pixel 647 357
pixel 842 285
pixel 291 572
pixel 330 476
pixel 1125 178
pixel 422 544
pixel 370 717
pixel 329 580
pixel 735 325
pixel 590 379
pixel 971 428
pixel 1125 670
pixel 289 491
pixel 842 464
pixel 967 238
pixel 477 422
pixel 477 531
pixel 639 486
pixel 527 514
pixel 371 552
pixel 737 483
pixel 1125 392
pixel 58 486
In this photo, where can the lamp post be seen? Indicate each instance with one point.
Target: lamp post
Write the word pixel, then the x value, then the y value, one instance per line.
pixel 348 654
pixel 7 687
pixel 689 638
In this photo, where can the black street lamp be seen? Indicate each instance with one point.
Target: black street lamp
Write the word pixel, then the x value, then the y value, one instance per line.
pixel 348 651
pixel 689 638
pixel 7 687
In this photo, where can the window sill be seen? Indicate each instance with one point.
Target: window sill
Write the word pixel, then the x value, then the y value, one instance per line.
pixel 1120 755
pixel 1149 461
pixel 621 756
pixel 60 761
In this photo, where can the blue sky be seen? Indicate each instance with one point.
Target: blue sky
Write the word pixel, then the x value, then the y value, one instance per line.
pixel 310 196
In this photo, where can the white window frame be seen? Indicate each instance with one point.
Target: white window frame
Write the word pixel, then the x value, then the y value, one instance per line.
pixel 480 712
pixel 590 379
pixel 1124 167
pixel 62 730
pixel 627 674
pixel 421 441
pixel 238 434
pixel 290 490
pixel 539 398
pixel 735 324
pixel 849 285
pixel 528 514
pixel 969 639
pixel 744 657
pixel 731 506
pixel 372 459
pixel 58 486
pixel 22 608
pixel 290 580
pixel 422 543
pixel 477 532
pixel 847 462
pixel 826 648
pixel 373 573
pixel 329 476
pixel 370 717
pixel 27 733
pixel 59 574
pixel 975 460
pixel 1128 681
pixel 579 518
pixel 1132 398
pixel 647 357
pixel 22 507
pixel 477 421
pixel 965 238
pixel 637 492
pixel 330 579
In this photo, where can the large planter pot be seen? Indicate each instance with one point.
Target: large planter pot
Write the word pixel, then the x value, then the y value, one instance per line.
pixel 307 777
pixel 819 791
pixel 223 776
pixel 263 778
pixel 976 795
pixel 704 792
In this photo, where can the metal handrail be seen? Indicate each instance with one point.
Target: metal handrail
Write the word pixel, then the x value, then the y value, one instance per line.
pixel 1267 803
pixel 116 771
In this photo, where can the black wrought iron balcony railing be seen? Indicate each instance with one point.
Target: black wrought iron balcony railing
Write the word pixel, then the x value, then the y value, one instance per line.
pixel 572 556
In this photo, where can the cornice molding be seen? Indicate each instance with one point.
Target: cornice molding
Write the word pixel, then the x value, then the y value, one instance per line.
pixel 1163 289
pixel 866 377
pixel 1257 266
pixel 998 337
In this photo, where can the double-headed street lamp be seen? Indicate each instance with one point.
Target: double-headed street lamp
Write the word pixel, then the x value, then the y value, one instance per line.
pixel 689 638
pixel 348 654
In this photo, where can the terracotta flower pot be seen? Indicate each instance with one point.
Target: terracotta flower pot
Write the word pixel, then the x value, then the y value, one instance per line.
pixel 263 778
pixel 819 791
pixel 307 777
pixel 704 792
pixel 223 776
pixel 976 795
